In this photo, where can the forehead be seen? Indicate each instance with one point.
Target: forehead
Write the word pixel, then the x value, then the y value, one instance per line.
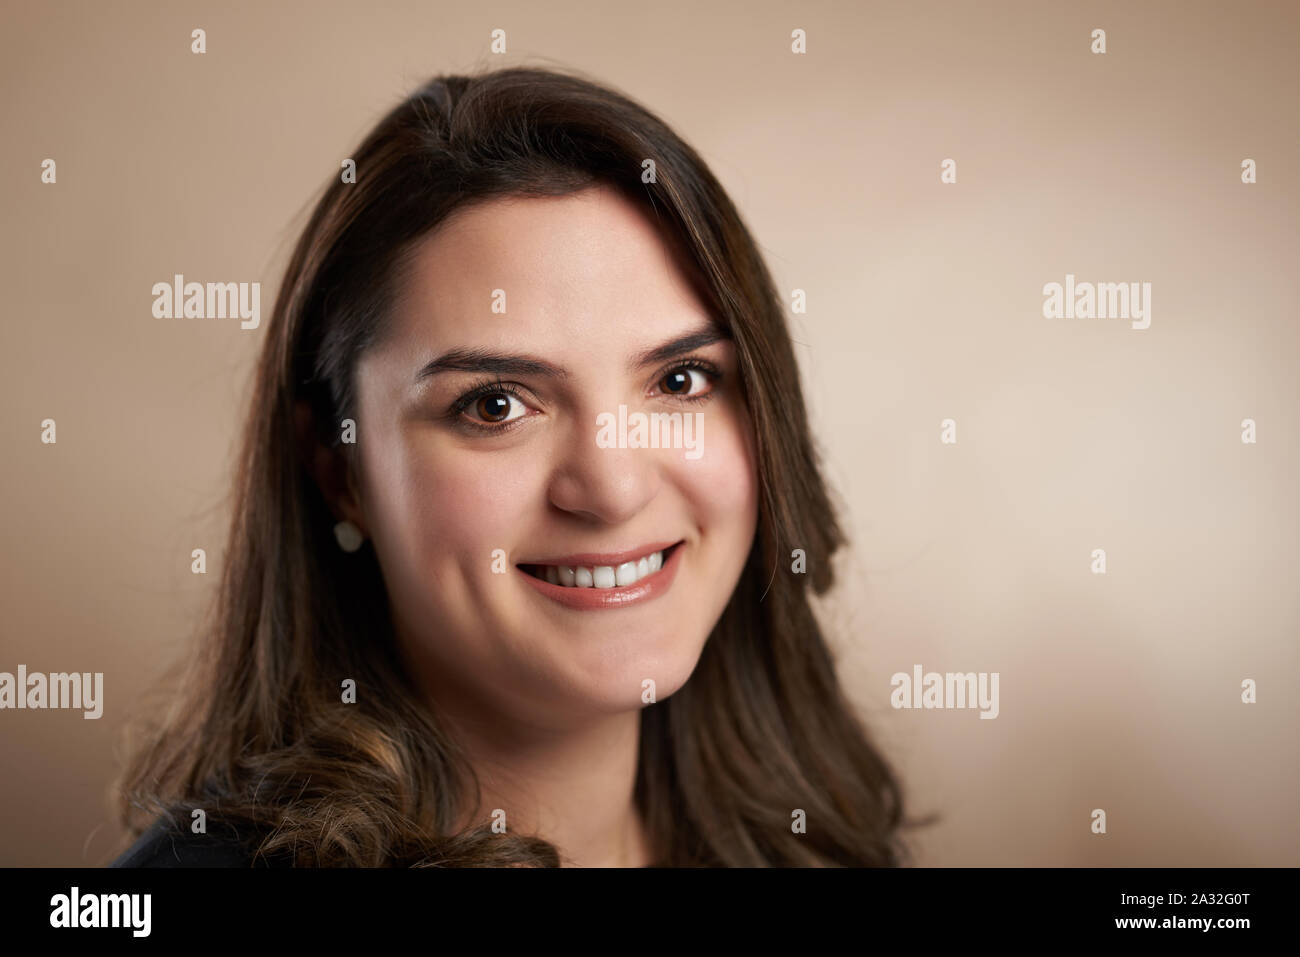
pixel 588 273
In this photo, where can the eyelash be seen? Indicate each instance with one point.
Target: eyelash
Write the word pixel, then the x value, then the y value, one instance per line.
pixel 497 387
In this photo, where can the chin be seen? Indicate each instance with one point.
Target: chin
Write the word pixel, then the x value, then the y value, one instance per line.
pixel 611 679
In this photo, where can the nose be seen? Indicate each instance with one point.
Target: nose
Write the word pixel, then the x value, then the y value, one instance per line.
pixel 606 485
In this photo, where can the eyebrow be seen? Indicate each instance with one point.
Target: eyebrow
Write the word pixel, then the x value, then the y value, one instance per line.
pixel 481 360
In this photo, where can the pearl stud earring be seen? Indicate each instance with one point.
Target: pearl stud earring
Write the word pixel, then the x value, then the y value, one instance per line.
pixel 348 535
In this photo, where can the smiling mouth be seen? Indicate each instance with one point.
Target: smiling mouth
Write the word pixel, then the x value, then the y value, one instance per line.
pixel 600 577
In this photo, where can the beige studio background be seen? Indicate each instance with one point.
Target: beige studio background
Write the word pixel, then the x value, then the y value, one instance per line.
pixel 1118 691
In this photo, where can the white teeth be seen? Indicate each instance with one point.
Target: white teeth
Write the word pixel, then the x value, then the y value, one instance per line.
pixel 602 576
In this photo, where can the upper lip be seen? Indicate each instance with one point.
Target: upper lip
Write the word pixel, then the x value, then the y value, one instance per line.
pixel 602 558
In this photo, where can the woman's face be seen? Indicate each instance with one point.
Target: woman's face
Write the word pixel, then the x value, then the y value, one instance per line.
pixel 563 310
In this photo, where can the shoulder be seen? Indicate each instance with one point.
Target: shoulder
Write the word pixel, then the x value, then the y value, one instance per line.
pixel 164 844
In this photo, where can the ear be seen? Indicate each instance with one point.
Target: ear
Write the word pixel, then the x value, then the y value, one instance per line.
pixel 329 468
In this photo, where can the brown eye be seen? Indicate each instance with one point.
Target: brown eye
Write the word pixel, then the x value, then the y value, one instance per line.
pixel 677 383
pixel 493 408
pixel 685 382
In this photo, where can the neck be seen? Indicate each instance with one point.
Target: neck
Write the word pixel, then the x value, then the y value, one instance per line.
pixel 572 784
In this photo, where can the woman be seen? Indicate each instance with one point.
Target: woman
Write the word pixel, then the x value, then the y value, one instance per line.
pixel 464 594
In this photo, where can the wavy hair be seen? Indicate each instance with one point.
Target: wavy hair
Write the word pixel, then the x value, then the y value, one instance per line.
pixel 255 734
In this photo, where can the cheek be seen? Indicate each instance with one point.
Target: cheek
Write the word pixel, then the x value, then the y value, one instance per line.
pixel 722 482
pixel 443 507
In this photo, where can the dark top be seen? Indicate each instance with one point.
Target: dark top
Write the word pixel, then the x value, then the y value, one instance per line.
pixel 166 845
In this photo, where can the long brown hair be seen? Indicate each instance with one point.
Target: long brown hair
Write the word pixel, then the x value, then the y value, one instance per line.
pixel 256 735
